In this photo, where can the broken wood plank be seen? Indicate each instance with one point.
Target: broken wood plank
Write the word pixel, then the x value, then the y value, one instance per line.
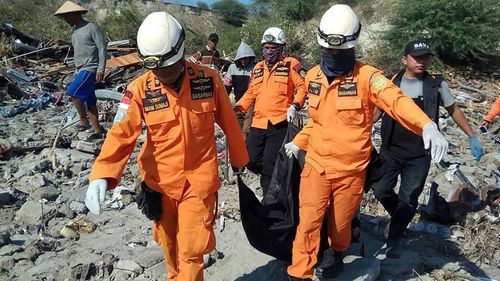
pixel 122 61
pixel 476 90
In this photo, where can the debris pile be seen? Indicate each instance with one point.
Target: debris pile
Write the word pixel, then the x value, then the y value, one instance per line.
pixel 45 163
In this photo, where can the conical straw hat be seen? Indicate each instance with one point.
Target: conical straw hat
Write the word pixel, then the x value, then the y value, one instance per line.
pixel 70 7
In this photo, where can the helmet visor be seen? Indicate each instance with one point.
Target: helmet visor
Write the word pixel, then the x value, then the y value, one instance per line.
pixel 152 61
pixel 338 39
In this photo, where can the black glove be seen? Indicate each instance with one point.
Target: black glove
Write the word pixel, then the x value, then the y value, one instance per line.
pixel 149 202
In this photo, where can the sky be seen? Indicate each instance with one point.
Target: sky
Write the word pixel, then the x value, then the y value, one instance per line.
pixel 209 2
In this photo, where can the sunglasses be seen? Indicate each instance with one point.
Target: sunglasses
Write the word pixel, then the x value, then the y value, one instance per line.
pixel 338 39
pixel 152 62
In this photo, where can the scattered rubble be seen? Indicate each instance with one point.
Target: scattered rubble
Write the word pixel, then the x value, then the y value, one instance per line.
pixel 44 167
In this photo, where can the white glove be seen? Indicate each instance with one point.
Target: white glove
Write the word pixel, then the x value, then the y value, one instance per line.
pixel 433 138
pixel 95 195
pixel 291 113
pixel 291 149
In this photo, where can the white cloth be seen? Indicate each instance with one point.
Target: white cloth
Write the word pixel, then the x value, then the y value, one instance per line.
pixel 96 194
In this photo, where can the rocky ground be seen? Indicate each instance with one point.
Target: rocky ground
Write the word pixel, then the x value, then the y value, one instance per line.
pixel 46 232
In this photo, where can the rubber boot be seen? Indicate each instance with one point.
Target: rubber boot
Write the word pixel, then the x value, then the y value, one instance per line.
pixel 393 249
pixel 331 266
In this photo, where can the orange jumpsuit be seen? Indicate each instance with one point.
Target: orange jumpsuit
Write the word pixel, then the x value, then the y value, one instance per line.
pixel 178 158
pixel 273 91
pixel 494 111
pixel 337 139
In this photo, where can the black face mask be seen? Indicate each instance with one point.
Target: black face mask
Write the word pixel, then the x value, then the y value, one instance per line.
pixel 339 64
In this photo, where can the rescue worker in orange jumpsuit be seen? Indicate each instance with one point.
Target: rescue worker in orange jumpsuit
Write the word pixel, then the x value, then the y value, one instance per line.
pixel 342 95
pixel 494 112
pixel 178 101
pixel 277 91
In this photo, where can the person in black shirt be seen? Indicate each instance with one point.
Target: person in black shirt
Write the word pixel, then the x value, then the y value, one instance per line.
pixel 404 151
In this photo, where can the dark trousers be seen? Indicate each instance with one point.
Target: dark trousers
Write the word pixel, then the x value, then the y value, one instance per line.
pixel 401 206
pixel 263 146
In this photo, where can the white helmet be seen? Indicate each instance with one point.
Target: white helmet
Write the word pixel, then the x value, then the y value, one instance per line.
pixel 339 28
pixel 273 35
pixel 160 40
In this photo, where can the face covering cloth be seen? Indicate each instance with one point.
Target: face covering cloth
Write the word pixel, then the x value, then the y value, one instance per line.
pixel 335 65
pixel 272 56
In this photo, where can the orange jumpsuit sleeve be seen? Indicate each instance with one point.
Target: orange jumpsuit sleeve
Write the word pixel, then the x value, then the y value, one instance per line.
pixel 390 99
pixel 494 111
pixel 226 119
pixel 120 142
pixel 302 138
pixel 299 83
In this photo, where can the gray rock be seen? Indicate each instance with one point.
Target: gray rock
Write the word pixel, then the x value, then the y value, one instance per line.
pixel 22 172
pixel 9 250
pixel 4 197
pixel 36 166
pixel 149 257
pixel 127 199
pixel 31 212
pixel 63 156
pixel 66 211
pixel 83 271
pixel 81 157
pixel 46 192
pixel 121 275
pixel 7 261
pixel 54 227
pixel 359 269
pixel 129 266
pixel 28 184
pixel 4 238
pixel 7 173
pixel 78 207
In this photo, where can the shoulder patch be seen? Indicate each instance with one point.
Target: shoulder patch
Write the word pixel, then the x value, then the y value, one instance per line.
pixel 378 81
pixel 314 88
pixel 258 72
pixel 122 111
pixel 347 89
pixel 283 69
pixel 155 103
pixel 126 97
pixel 202 88
pixel 300 70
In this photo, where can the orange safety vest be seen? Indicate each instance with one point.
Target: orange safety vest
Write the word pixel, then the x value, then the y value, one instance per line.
pixel 338 134
pixel 273 91
pixel 180 143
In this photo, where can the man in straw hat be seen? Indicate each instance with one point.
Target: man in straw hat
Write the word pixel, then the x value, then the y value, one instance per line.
pixel 90 60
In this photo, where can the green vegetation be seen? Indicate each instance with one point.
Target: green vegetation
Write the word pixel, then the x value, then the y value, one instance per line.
pixel 35 17
pixel 122 22
pixel 202 5
pixel 291 10
pixel 231 11
pixel 462 32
